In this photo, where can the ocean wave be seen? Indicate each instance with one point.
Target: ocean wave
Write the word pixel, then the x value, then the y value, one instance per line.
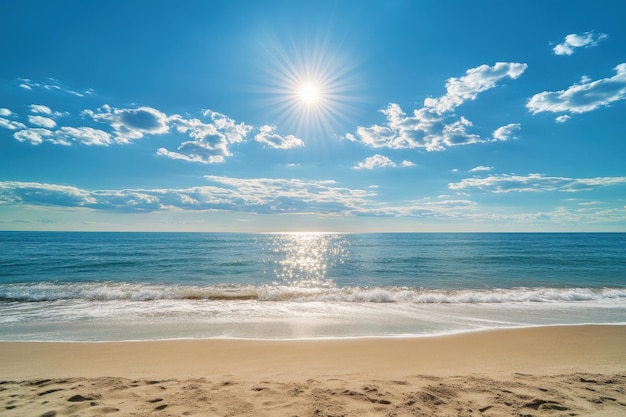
pixel 109 291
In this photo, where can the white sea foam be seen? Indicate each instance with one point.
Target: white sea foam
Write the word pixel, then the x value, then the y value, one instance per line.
pixel 110 291
pixel 101 286
pixel 88 320
pixel 122 311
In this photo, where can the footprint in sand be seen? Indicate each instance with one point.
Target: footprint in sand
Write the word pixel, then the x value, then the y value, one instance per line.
pixel 80 398
pixel 108 410
pixel 159 407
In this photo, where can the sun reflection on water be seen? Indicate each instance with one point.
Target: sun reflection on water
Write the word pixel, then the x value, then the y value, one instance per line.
pixel 303 260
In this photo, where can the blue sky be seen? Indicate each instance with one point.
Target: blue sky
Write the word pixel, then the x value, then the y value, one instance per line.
pixel 340 116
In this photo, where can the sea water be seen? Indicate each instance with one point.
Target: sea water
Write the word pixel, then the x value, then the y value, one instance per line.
pixel 60 286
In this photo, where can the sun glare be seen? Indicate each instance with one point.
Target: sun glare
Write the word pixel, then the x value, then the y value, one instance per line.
pixel 309 93
pixel 311 88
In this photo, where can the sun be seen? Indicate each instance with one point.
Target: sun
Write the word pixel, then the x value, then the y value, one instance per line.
pixel 311 87
pixel 309 94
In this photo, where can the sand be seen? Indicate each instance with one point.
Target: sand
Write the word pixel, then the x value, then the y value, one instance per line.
pixel 548 371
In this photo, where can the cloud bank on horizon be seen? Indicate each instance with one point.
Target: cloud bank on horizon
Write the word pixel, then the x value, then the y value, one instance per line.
pixel 480 156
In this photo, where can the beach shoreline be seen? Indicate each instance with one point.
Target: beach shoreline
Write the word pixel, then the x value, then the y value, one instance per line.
pixel 541 369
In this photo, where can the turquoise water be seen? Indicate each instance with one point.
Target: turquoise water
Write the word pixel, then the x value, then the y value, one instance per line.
pixel 128 286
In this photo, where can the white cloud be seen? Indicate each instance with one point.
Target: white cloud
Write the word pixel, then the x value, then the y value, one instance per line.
pixel 259 195
pixel 264 195
pixel 40 108
pixel 42 194
pixel 476 80
pixel 233 131
pixel 507 132
pixel 45 110
pixel 268 136
pixel 194 151
pixel 35 136
pixel 64 136
pixel 42 121
pixel 349 137
pixel 380 161
pixel 11 124
pixel 432 127
pixel 211 141
pixel 84 135
pixel 376 161
pixel 468 212
pixel 277 196
pixel 534 183
pixel 584 97
pixel 481 168
pixel 581 40
pixel 427 208
pixel 131 124
pixel 563 118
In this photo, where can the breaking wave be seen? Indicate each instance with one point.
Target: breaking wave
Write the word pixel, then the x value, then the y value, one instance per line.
pixel 109 291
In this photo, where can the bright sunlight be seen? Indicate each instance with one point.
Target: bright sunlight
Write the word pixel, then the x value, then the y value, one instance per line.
pixel 311 88
pixel 310 94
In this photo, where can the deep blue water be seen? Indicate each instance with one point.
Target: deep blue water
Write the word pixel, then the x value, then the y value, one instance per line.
pixel 83 286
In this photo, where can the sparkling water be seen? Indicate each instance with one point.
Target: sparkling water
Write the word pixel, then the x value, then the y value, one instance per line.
pixel 149 286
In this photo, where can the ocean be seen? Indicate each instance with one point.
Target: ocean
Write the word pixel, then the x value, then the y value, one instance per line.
pixel 74 286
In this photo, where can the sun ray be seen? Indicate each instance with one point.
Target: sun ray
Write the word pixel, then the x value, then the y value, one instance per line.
pixel 310 88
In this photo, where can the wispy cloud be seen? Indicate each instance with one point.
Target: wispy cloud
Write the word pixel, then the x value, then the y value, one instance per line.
pixel 580 40
pixel 51 85
pixel 380 161
pixel 534 183
pixel 425 208
pixel 581 98
pixel 84 135
pixel 291 195
pixel 64 136
pixel 433 126
pixel 476 80
pixel 468 212
pixel 573 216
pixel 5 112
pixel 44 194
pixel 258 195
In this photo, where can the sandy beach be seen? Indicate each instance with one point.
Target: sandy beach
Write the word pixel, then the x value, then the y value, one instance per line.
pixel 551 371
